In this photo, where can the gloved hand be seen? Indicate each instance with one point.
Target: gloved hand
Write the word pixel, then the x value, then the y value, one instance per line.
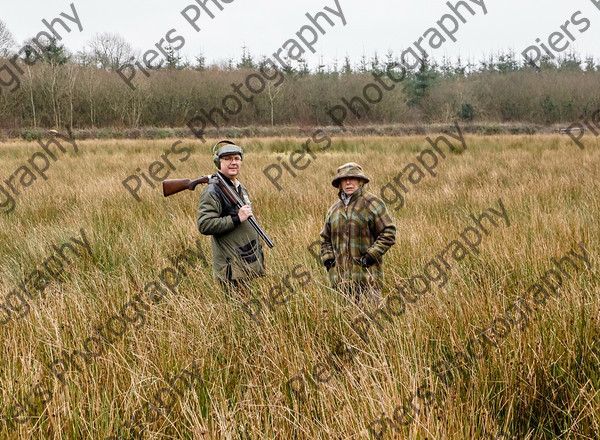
pixel 329 264
pixel 367 260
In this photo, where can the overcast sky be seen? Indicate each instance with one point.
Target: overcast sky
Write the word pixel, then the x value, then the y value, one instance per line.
pixel 264 25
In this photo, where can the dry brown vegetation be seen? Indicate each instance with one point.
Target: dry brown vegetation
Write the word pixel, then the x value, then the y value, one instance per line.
pixel 542 382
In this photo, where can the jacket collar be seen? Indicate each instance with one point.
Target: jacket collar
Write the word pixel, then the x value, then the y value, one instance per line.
pixel 353 197
pixel 228 180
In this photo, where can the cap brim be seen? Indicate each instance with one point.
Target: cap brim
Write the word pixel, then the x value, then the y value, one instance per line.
pixel 336 182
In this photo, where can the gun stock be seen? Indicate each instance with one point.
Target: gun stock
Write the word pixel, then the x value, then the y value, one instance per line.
pixel 174 186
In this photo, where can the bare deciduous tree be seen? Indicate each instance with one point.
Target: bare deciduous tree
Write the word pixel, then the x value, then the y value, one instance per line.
pixel 72 71
pixel 272 94
pixel 29 86
pixel 109 51
pixel 7 41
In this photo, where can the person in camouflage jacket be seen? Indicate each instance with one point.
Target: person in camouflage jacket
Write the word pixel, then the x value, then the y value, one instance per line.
pixel 358 231
pixel 236 246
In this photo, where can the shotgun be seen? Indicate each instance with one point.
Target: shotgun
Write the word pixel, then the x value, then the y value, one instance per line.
pixel 174 186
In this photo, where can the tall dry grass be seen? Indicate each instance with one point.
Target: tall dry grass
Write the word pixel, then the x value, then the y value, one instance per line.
pixel 534 385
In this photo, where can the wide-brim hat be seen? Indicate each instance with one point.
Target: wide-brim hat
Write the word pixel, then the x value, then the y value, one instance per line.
pixel 349 170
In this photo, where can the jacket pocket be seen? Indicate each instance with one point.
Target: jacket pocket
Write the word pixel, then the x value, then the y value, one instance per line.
pixel 248 252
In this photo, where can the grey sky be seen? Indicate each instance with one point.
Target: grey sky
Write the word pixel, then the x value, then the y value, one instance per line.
pixel 264 25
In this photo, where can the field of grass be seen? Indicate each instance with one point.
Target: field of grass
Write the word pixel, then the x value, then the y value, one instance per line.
pixel 537 379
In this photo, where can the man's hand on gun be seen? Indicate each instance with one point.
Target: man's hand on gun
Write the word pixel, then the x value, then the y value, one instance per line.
pixel 244 213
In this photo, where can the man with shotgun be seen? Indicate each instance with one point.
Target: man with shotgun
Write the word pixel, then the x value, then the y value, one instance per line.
pixel 225 213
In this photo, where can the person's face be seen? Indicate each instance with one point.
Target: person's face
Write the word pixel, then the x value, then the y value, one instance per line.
pixel 349 185
pixel 231 165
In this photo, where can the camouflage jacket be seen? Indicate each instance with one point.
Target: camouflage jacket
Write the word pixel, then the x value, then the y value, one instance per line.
pixel 236 246
pixel 362 227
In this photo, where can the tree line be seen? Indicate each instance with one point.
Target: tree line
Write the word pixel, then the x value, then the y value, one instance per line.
pixel 82 90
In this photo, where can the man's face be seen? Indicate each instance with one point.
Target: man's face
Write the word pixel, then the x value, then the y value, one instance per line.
pixel 231 165
pixel 349 185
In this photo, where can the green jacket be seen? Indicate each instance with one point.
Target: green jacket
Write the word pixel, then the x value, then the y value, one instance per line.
pixel 362 227
pixel 236 246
